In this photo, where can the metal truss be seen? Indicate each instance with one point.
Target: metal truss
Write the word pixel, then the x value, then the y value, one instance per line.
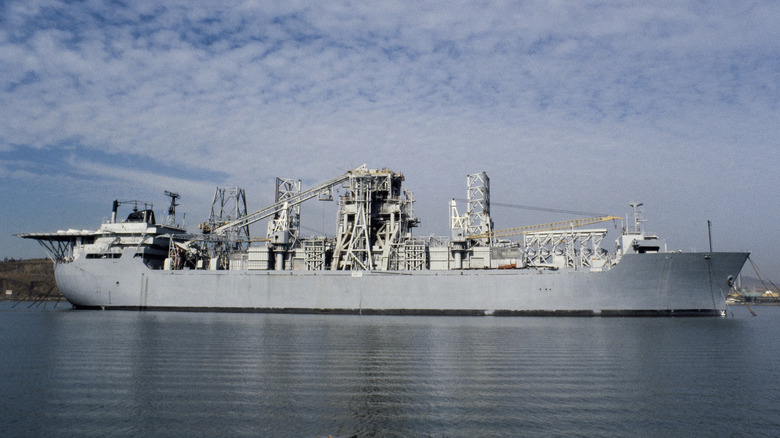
pixel 375 218
pixel 61 251
pixel 414 255
pixel 230 205
pixel 314 253
pixel 458 223
pixel 565 249
pixel 478 210
pixel 353 245
pixel 285 227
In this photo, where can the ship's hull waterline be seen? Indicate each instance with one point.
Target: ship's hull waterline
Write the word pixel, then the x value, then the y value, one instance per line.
pixel 659 284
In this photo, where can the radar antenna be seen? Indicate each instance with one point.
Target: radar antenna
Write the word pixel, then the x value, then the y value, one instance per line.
pixel 172 209
pixel 637 217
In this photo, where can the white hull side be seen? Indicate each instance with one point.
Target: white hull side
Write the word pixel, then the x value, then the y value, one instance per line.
pixel 664 283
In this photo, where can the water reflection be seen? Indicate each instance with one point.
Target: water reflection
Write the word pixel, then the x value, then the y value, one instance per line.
pixel 128 373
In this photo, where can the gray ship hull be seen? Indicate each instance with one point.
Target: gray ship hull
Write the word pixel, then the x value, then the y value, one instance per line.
pixel 641 284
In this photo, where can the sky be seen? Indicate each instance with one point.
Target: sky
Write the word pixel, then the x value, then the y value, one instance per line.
pixel 570 105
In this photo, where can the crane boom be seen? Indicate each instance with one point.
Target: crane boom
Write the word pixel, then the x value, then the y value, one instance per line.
pixel 562 225
pixel 286 203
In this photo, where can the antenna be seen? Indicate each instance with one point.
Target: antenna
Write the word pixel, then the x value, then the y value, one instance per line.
pixel 172 209
pixel 637 214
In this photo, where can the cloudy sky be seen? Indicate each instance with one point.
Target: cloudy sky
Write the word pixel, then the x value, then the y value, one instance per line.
pixel 580 105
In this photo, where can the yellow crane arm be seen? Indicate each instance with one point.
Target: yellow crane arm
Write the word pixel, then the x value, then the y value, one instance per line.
pixel 562 225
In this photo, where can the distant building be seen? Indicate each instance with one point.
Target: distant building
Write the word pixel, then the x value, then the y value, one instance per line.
pixel 761 297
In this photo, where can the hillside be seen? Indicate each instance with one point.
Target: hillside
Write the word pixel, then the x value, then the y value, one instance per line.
pixel 27 280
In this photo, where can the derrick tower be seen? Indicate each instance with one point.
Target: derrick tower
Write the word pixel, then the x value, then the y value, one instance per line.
pixel 375 221
pixel 229 204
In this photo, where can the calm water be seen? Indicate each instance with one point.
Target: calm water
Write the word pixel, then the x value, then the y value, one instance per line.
pixel 81 373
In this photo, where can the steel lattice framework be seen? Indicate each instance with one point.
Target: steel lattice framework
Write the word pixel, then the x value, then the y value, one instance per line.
pixel 560 249
pixel 285 227
pixel 375 219
pixel 229 205
pixel 478 209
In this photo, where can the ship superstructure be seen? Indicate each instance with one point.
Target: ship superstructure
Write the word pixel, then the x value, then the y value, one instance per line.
pixel 139 232
pixel 374 263
pixel 374 233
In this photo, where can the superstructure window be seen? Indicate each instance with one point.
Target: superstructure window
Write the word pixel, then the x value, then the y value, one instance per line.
pixel 105 255
pixel 141 216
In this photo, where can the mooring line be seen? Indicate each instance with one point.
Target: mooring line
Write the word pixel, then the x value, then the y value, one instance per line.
pixel 755 268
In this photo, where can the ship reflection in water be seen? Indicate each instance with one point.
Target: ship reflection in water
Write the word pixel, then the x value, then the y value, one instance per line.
pixel 72 373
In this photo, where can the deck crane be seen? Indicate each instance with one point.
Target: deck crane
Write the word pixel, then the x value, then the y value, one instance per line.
pixel 562 225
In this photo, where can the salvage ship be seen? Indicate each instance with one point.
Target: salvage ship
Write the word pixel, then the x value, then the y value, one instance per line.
pixel 374 264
